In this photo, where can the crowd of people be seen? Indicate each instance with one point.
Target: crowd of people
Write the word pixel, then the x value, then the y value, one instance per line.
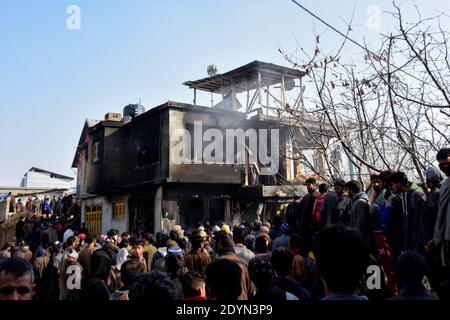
pixel 64 205
pixel 319 248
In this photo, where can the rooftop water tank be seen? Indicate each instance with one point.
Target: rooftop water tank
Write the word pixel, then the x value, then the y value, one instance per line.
pixel 131 111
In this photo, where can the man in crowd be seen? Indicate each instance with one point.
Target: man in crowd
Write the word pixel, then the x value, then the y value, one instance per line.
pixel 149 248
pixel 242 252
pixel 19 206
pixel 305 219
pixel 154 286
pixel 282 260
pixel 360 217
pixel 47 210
pixel 323 189
pixel 413 212
pixel 16 279
pixel 411 268
pixel 342 257
pixel 226 251
pixel 194 286
pixel 129 272
pixel 223 280
pixel 376 197
pixel 335 206
pixel 138 253
pixel 433 181
pixel 441 237
pixel 85 256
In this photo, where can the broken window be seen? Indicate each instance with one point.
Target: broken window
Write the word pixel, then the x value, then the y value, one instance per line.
pixel 95 151
pixel 147 147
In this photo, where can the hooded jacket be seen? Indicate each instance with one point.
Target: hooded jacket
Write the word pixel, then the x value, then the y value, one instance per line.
pixel 442 227
pixel 360 217
pixel 334 208
pixel 414 222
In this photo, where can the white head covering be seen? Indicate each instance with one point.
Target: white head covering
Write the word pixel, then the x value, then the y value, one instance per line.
pixel 121 257
pixel 73 254
pixel 265 229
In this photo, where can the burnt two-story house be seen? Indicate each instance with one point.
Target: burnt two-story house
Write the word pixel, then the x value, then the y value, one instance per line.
pixel 183 163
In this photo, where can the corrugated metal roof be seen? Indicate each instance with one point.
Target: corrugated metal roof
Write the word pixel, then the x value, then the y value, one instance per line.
pixel 57 175
pixel 244 78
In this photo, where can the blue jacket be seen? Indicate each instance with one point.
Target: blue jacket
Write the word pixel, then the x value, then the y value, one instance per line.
pixel 46 207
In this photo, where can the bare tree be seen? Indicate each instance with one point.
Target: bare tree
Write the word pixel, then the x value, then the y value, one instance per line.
pixel 390 112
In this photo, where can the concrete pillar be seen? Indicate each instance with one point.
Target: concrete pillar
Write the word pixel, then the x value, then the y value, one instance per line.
pixel 227 210
pixel 106 214
pixel 158 209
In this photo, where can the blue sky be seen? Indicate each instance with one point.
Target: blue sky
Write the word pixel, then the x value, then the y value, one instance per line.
pixel 52 78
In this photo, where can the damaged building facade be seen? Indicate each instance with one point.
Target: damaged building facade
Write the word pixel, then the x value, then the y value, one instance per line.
pixel 137 172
